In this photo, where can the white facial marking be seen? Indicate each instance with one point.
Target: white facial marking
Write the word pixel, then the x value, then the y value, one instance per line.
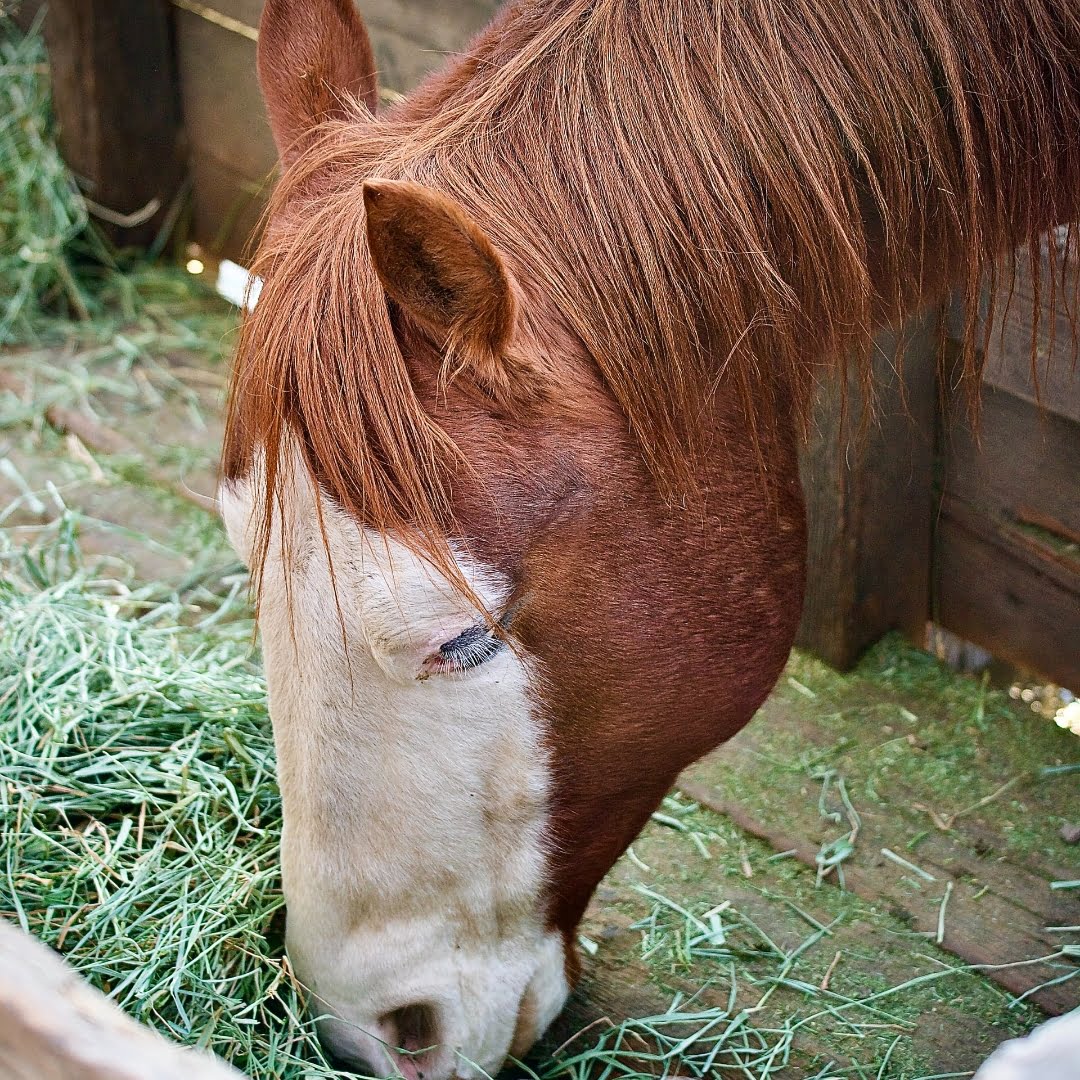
pixel 414 802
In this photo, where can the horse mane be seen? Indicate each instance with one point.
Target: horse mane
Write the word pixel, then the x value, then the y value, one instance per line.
pixel 716 195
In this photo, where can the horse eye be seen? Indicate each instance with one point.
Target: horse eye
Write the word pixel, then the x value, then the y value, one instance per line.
pixel 469 649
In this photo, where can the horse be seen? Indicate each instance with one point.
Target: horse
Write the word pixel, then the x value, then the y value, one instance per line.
pixel 511 445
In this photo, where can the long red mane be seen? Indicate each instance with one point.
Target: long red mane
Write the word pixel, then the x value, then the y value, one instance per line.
pixel 717 197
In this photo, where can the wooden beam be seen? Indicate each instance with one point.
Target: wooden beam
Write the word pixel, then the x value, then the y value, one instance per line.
pixel 869 501
pixel 117 105
pixel 55 1026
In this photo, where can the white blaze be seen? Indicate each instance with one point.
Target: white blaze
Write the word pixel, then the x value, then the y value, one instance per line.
pixel 414 804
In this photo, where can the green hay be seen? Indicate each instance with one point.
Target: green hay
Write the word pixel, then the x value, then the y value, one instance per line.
pixel 140 816
pixel 141 823
pixel 44 226
pixel 151 325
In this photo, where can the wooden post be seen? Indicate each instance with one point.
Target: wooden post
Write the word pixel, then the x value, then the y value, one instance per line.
pixel 54 1026
pixel 870 502
pixel 117 104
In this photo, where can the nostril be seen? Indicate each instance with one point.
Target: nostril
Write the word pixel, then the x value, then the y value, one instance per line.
pixel 412 1029
pixel 406 1036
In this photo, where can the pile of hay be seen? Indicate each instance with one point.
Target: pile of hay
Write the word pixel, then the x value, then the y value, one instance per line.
pixel 139 813
pixel 45 230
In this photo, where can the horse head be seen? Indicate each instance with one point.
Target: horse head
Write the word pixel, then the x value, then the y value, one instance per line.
pixel 491 637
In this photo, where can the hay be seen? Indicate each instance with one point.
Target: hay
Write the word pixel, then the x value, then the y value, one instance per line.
pixel 45 229
pixel 140 815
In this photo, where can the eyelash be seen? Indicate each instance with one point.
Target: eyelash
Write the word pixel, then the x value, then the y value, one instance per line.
pixel 469 650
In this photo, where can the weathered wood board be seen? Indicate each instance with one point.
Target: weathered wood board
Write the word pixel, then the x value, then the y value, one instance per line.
pixel 1054 385
pixel 54 1026
pixel 1007 536
pixel 869 497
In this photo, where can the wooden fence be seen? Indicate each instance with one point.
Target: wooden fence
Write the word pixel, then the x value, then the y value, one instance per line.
pixel 916 522
pixel 932 520
pixel 1006 568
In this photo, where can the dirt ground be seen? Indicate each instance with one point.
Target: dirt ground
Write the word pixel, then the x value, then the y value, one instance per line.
pixel 941 802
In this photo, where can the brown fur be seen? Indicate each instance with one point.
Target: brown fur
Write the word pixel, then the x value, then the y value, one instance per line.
pixel 695 207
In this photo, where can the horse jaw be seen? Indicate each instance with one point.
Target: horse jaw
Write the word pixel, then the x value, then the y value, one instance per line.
pixel 415 808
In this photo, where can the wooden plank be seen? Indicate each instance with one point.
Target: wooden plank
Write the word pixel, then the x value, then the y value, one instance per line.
pixel 1008 592
pixel 232 151
pixel 960 834
pixel 223 108
pixel 869 505
pixel 247 11
pixel 1022 459
pixel 229 207
pixel 404 61
pixel 55 1026
pixel 116 101
pixel 412 37
pixel 1055 383
pixel 983 929
pixel 986 925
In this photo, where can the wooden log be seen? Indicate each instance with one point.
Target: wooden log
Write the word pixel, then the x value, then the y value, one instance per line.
pixel 117 104
pixel 869 501
pixel 55 1026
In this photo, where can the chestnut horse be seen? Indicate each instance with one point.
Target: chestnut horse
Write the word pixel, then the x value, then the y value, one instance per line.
pixel 511 448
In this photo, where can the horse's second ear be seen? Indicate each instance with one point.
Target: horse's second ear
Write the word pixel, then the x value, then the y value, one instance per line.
pixel 439 265
pixel 312 56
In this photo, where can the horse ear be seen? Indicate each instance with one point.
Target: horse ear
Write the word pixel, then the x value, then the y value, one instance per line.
pixel 312 55
pixel 440 266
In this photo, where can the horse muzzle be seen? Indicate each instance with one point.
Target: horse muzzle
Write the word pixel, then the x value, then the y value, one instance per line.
pixel 463 1014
